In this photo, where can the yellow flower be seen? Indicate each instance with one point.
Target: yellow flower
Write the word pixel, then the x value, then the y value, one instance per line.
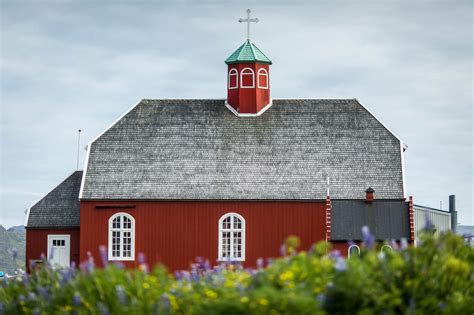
pixel 287 275
pixel 146 285
pixel 244 299
pixel 211 294
pixel 263 301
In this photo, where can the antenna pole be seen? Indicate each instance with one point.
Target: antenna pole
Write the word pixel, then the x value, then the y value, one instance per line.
pixel 78 145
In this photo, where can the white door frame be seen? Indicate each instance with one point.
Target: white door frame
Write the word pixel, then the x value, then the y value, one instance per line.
pixel 67 244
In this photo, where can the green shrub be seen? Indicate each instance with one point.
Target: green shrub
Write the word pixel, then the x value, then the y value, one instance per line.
pixel 434 278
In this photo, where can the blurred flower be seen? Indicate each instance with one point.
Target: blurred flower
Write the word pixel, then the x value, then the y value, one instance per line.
pixel 429 226
pixel 335 254
pixel 43 257
pixel 403 243
pixel 368 239
pixel 43 292
pixel 119 264
pixel 31 296
pixel 36 311
pixel 321 298
pixel 283 250
pixel 21 298
pixel 340 264
pixel 76 299
pixel 14 253
pixel 121 295
pixel 51 253
pixel 25 279
pixel 102 308
pixel 141 258
pixel 88 265
pixel 381 255
pixel 394 244
pixel 66 275
pixel 165 301
pixel 260 263
pixel 103 255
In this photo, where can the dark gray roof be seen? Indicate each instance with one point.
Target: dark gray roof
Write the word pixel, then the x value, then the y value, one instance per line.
pixel 386 219
pixel 198 149
pixel 59 208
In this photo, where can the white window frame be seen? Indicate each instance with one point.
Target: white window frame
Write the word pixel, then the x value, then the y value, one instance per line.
pixel 231 230
pixel 233 72
pixel 242 73
pixel 121 229
pixel 349 251
pixel 386 246
pixel 264 73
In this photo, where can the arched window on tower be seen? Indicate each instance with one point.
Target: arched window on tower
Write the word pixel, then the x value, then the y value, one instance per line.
pixel 121 237
pixel 262 79
pixel 231 237
pixel 233 79
pixel 247 78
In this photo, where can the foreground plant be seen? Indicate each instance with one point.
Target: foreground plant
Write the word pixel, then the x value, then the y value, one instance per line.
pixel 436 277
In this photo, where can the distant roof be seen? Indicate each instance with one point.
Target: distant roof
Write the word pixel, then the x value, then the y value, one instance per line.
pixel 60 207
pixel 199 150
pixel 386 219
pixel 248 52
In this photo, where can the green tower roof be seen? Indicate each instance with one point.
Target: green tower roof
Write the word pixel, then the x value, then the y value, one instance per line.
pixel 248 52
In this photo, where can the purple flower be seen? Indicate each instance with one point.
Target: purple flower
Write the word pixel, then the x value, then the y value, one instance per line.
pixel 76 299
pixel 119 264
pixel 121 295
pixel 260 263
pixel 269 261
pixel 25 279
pixel 335 254
pixel 14 253
pixel 394 245
pixel 178 275
pixel 21 298
pixel 283 250
pixel 429 226
pixel 103 255
pixel 51 253
pixel 43 257
pixel 403 243
pixel 341 264
pixel 66 276
pixel 32 265
pixel 31 296
pixel 141 258
pixel 165 301
pixel 43 292
pixel 36 311
pixel 88 265
pixel 368 239
pixel 321 298
pixel 102 308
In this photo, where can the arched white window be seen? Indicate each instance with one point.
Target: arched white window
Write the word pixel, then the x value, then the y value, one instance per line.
pixel 121 237
pixel 386 249
pixel 353 250
pixel 262 80
pixel 233 79
pixel 231 237
pixel 247 78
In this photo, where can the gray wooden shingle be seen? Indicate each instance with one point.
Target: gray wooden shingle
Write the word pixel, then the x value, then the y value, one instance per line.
pixel 198 149
pixel 60 207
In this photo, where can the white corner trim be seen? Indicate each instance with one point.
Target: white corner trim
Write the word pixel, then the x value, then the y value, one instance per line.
pixel 236 113
pixel 402 160
pixel 97 137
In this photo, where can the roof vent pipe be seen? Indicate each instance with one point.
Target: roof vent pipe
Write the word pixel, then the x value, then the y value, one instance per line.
pixel 454 214
pixel 369 195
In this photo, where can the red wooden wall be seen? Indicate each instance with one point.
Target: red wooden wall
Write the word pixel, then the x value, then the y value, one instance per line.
pixel 37 243
pixel 175 233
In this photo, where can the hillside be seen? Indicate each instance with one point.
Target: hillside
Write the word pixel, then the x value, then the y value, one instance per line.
pixel 14 237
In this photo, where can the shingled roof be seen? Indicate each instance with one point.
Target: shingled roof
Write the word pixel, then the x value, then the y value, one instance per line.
pixel 60 207
pixel 199 150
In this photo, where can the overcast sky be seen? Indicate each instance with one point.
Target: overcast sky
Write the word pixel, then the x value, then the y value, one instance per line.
pixel 70 65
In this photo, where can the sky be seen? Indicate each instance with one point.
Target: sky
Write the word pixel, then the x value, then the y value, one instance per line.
pixel 69 65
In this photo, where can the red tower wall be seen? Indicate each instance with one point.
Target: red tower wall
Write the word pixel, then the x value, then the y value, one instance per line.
pixel 248 100
pixel 175 233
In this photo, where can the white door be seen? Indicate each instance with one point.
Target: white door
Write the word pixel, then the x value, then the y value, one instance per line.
pixel 58 250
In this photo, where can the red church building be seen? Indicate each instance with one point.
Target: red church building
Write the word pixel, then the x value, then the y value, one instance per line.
pixel 227 179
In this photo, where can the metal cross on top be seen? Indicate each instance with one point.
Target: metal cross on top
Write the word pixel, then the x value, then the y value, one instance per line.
pixel 248 20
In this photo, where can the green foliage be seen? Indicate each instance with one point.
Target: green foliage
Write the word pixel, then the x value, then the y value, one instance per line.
pixel 434 278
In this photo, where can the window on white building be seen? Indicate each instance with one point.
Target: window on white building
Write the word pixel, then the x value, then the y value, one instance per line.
pixel 121 237
pixel 247 77
pixel 231 237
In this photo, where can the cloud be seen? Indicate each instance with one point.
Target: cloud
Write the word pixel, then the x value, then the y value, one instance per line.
pixel 71 65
